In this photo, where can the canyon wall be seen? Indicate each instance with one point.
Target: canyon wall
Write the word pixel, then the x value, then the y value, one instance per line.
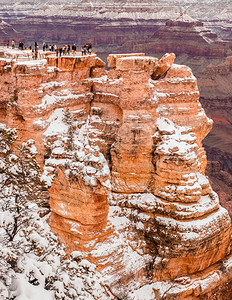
pixel 115 25
pixel 122 153
pixel 198 33
pixel 215 87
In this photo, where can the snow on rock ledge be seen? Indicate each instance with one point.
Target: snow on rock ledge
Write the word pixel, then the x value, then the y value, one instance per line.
pixel 122 152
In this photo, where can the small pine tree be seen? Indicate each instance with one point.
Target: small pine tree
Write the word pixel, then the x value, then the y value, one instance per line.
pixel 20 188
pixel 21 184
pixel 70 138
pixel 67 117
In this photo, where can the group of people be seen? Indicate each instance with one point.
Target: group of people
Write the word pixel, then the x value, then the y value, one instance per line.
pixel 67 49
pixel 86 49
pixel 21 45
pixel 63 50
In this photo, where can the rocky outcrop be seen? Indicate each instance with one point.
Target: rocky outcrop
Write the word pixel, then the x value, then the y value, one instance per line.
pixel 169 172
pixel 125 163
pixel 198 38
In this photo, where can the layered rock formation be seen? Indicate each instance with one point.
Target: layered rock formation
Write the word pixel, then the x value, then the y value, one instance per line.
pixel 113 24
pixel 199 37
pixel 217 103
pixel 7 32
pixel 198 32
pixel 183 35
pixel 126 166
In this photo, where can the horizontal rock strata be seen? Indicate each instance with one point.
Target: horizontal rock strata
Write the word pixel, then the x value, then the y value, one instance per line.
pixel 122 151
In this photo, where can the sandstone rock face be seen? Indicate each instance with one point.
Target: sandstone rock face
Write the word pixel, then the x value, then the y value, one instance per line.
pixel 195 35
pixel 217 103
pixel 125 163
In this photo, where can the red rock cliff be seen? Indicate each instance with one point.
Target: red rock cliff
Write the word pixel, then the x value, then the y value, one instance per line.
pixel 125 163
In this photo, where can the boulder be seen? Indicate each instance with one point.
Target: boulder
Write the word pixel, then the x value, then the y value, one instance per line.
pixel 164 64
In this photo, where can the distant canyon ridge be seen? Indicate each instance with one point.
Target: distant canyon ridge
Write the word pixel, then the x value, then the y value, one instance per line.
pixel 198 32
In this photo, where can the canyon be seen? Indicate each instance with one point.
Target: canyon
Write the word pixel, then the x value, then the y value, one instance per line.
pixel 198 32
pixel 121 150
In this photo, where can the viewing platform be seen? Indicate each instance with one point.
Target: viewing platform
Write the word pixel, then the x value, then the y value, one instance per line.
pixel 13 58
pixel 27 55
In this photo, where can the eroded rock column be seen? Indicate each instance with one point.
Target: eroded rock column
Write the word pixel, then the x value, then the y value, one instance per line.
pixel 158 167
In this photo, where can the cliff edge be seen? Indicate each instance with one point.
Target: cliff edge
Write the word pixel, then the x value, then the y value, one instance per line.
pixel 122 152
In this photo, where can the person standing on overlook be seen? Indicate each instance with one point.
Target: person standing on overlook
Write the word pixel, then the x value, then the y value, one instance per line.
pixel 74 49
pixel 63 49
pixel 83 50
pixel 21 45
pixel 60 50
pixel 89 48
pixel 13 44
pixel 8 43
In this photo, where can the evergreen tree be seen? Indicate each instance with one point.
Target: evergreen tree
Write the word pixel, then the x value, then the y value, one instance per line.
pixel 20 184
pixel 70 138
pixel 67 117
